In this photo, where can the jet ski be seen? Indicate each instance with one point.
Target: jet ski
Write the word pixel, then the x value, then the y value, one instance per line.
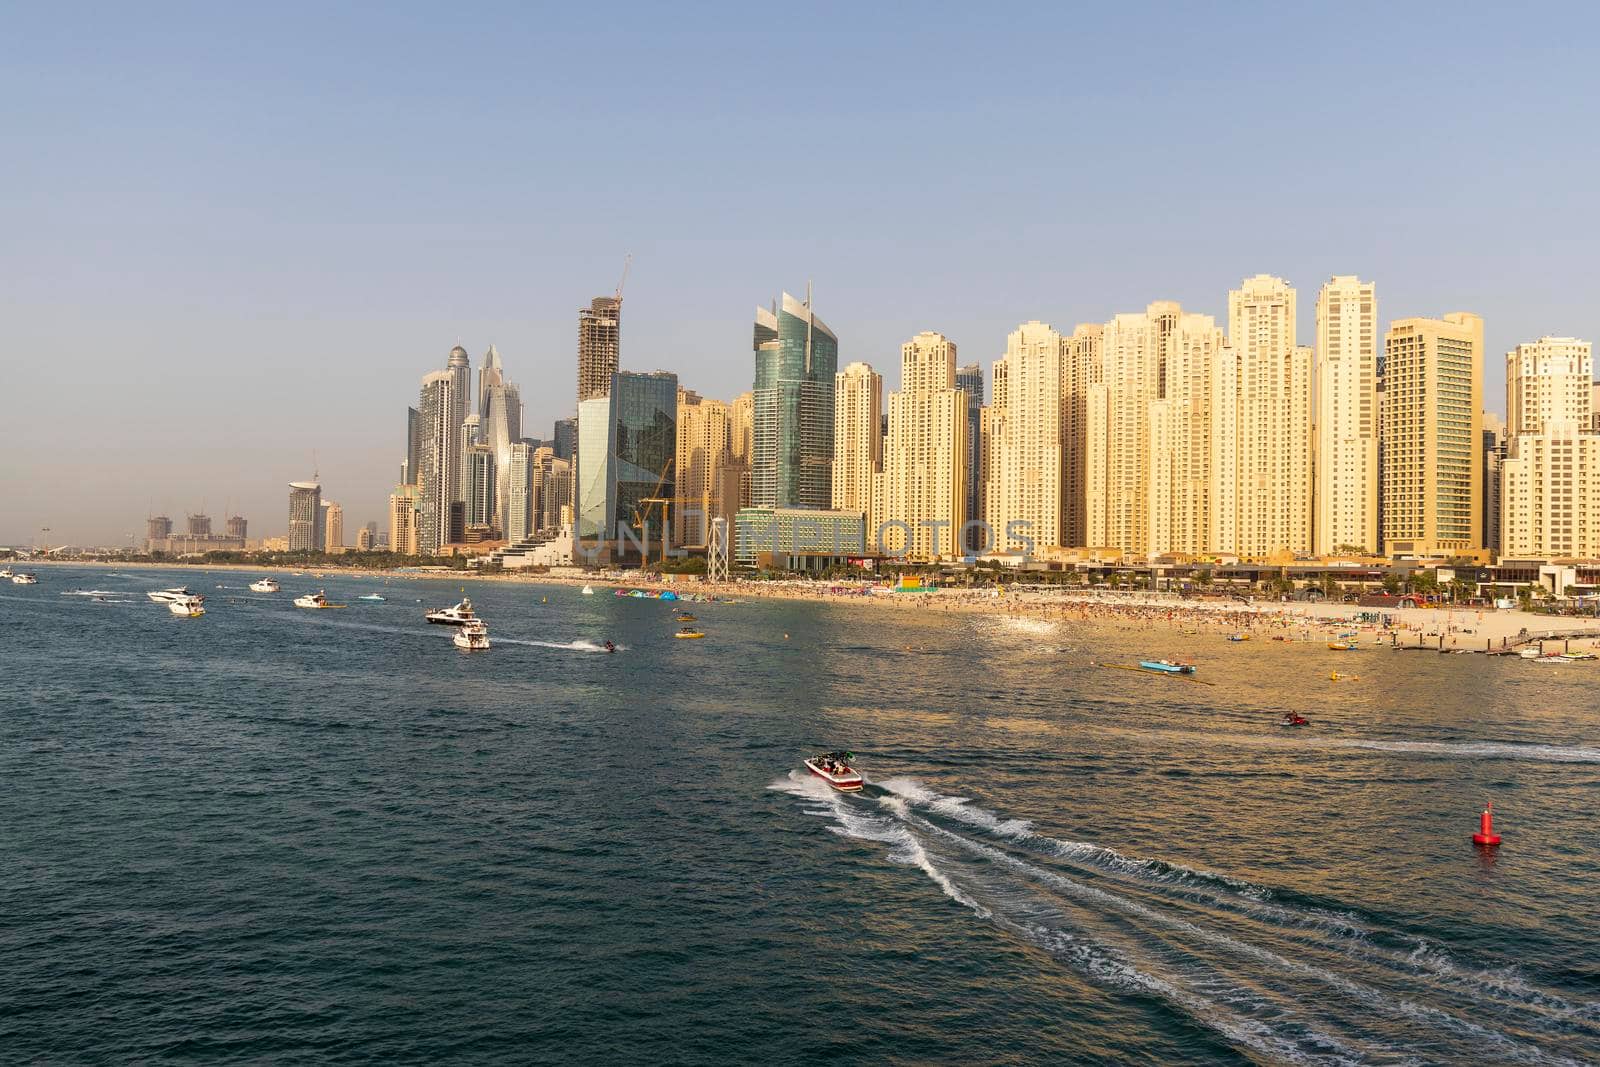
pixel 610 647
pixel 1292 719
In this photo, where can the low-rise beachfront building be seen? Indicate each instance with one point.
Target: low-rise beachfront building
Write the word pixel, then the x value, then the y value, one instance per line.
pixel 798 539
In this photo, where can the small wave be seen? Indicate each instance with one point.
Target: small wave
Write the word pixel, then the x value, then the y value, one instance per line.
pixel 1485 750
pixel 579 645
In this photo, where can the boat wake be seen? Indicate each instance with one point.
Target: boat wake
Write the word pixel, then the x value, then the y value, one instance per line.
pixel 1283 978
pixel 579 645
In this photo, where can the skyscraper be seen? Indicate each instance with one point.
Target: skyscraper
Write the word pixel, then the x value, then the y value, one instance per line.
pixel 238 527
pixel 627 447
pixel 1494 457
pixel 1274 420
pixel 1432 480
pixel 796 357
pixel 1345 429
pixel 305 516
pixel 459 367
pixel 555 494
pixel 925 459
pixel 857 444
pixel 480 481
pixel 1549 501
pixel 702 450
pixel 741 443
pixel 490 374
pixel 564 437
pixel 969 379
pixel 411 472
pixel 405 516
pixel 1023 452
pixel 332 526
pixel 199 525
pixel 502 427
pixel 437 450
pixel 521 484
pixel 1081 363
pixel 599 345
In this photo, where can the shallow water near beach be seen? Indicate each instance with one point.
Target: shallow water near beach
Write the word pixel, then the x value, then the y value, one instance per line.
pixel 272 834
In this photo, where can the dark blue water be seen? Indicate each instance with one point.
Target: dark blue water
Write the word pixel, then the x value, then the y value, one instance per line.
pixel 271 834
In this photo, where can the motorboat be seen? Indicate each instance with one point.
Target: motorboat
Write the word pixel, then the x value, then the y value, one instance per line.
pixel 167 596
pixel 23 579
pixel 265 585
pixel 689 633
pixel 1529 653
pixel 1167 666
pixel 189 607
pixel 834 768
pixel 1293 719
pixel 371 596
pixel 5 572
pixel 1241 636
pixel 459 615
pixel 1550 659
pixel 473 636
pixel 684 617
pixel 1340 646
pixel 319 599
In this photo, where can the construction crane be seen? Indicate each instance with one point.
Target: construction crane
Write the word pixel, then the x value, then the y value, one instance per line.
pixel 627 262
pixel 641 519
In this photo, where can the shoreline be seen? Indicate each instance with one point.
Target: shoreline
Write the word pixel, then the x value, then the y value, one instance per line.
pixel 1435 629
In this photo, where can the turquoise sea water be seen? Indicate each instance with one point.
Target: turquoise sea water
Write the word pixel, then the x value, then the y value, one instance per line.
pixel 274 835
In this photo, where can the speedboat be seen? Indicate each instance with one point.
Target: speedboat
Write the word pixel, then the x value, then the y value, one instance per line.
pixel 684 617
pixel 1292 719
pixel 319 599
pixel 1340 646
pixel 1167 666
pixel 459 615
pixel 834 768
pixel 370 596
pixel 265 585
pixel 689 633
pixel 189 607
pixel 473 636
pixel 23 579
pixel 167 596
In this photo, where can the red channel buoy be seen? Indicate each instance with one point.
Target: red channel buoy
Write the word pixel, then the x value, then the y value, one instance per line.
pixel 1486 834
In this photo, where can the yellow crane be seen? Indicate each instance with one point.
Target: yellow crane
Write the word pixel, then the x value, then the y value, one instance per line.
pixel 641 518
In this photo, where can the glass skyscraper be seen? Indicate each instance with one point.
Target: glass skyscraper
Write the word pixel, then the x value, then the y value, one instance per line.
pixel 796 356
pixel 627 443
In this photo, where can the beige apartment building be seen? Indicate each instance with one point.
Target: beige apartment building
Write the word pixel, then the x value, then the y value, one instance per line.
pixel 1432 481
pixel 1274 420
pixel 1550 476
pixel 858 442
pixel 925 459
pixel 702 451
pixel 1023 441
pixel 1082 365
pixel 405 515
pixel 1345 426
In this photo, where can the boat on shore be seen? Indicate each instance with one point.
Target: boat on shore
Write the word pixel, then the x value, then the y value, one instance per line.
pixel 834 768
pixel 472 636
pixel 190 607
pixel 1167 666
pixel 265 585
pixel 459 615
pixel 167 596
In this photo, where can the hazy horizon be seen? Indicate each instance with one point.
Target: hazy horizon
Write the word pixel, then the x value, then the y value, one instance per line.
pixel 236 239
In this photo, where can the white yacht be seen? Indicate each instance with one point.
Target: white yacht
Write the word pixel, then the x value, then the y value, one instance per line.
pixel 167 596
pixel 460 615
pixel 473 636
pixel 189 607
pixel 265 585
pixel 319 599
pixel 23 579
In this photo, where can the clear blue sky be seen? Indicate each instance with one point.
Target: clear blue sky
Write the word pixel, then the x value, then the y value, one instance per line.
pixel 230 236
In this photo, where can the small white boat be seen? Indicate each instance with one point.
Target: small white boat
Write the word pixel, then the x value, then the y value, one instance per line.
pixel 265 585
pixel 459 615
pixel 371 596
pixel 319 599
pixel 23 579
pixel 5 572
pixel 1550 659
pixel 167 596
pixel 1529 653
pixel 834 768
pixel 473 636
pixel 588 590
pixel 189 608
